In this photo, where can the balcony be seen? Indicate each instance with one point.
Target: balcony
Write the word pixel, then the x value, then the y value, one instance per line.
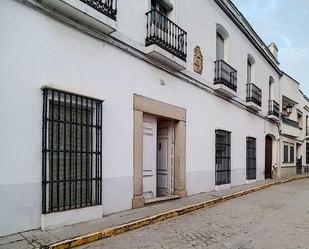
pixel 165 41
pixel 254 97
pixel 225 79
pixel 273 110
pixel 290 127
pixel 98 14
pixel 106 7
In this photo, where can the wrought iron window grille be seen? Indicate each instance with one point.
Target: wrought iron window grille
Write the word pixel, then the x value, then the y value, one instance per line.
pixel 251 158
pixel 71 151
pixel 164 33
pixel 254 94
pixel 106 7
pixel 223 157
pixel 225 74
pixel 273 108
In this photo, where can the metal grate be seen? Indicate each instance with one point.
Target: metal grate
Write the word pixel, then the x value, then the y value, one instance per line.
pixel 273 108
pixel 223 157
pixel 292 154
pixel 251 158
pixel 71 151
pixel 254 94
pixel 166 34
pixel 307 153
pixel 225 74
pixel 106 7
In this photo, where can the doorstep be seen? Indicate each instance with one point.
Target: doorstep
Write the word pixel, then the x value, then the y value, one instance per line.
pixel 161 199
pixel 111 225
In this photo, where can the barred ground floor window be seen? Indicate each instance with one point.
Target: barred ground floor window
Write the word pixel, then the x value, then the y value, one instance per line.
pixel 307 153
pixel 223 157
pixel 288 153
pixel 72 151
pixel 251 158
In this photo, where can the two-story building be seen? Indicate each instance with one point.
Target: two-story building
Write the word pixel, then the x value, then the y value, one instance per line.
pixel 110 105
pixel 294 131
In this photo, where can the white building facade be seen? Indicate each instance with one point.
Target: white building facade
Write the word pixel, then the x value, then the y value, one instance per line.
pixel 111 105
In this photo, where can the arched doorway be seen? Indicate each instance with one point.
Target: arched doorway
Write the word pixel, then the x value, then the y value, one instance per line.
pixel 268 157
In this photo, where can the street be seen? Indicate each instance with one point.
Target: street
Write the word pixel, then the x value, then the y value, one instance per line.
pixel 277 217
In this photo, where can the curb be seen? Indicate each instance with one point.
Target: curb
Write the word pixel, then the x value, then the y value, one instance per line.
pixel 116 230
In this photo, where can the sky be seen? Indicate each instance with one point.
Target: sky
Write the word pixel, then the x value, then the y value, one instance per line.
pixel 285 22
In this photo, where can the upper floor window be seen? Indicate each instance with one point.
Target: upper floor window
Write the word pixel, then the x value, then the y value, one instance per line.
pixel 163 6
pixel 250 63
pixel 221 42
pixel 270 88
pixel 220 47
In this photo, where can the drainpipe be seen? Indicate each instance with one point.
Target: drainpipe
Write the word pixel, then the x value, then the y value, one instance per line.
pixel 279 130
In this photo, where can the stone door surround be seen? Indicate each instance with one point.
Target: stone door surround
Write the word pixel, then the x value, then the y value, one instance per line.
pixel 143 105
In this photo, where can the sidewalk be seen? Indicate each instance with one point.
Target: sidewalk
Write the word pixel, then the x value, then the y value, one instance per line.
pixel 114 224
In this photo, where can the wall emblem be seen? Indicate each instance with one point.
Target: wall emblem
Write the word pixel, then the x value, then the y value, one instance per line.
pixel 198 60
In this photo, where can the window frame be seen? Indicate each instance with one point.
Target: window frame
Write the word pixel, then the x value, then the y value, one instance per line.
pixel 307 153
pixel 250 157
pixel 292 149
pixel 288 152
pixel 220 44
pixel 226 147
pixel 249 71
pixel 71 151
pixel 285 153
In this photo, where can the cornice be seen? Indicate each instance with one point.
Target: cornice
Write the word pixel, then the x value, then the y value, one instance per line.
pixel 240 21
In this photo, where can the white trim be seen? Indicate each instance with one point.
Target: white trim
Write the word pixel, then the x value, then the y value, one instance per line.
pixel 65 218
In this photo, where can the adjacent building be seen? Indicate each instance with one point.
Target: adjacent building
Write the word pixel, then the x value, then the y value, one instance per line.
pixel 110 105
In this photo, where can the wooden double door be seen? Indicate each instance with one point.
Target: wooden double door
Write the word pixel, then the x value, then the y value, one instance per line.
pixel 158 157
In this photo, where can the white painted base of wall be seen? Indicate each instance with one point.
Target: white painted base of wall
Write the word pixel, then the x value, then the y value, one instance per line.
pixel 251 181
pixel 223 187
pixel 60 219
pixel 20 206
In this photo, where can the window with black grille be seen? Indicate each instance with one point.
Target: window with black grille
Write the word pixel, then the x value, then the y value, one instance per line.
pixel 307 153
pixel 285 153
pixel 72 151
pixel 251 158
pixel 292 154
pixel 223 157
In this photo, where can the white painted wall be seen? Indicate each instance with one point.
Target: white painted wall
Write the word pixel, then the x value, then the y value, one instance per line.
pixel 37 50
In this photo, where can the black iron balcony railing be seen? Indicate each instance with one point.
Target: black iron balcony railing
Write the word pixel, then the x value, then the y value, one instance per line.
pixel 254 94
pixel 273 108
pixel 106 7
pixel 290 122
pixel 225 74
pixel 166 34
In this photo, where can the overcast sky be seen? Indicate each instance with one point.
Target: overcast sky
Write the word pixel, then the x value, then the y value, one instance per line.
pixel 285 22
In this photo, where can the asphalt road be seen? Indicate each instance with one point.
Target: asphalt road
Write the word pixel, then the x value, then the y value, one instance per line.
pixel 274 218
